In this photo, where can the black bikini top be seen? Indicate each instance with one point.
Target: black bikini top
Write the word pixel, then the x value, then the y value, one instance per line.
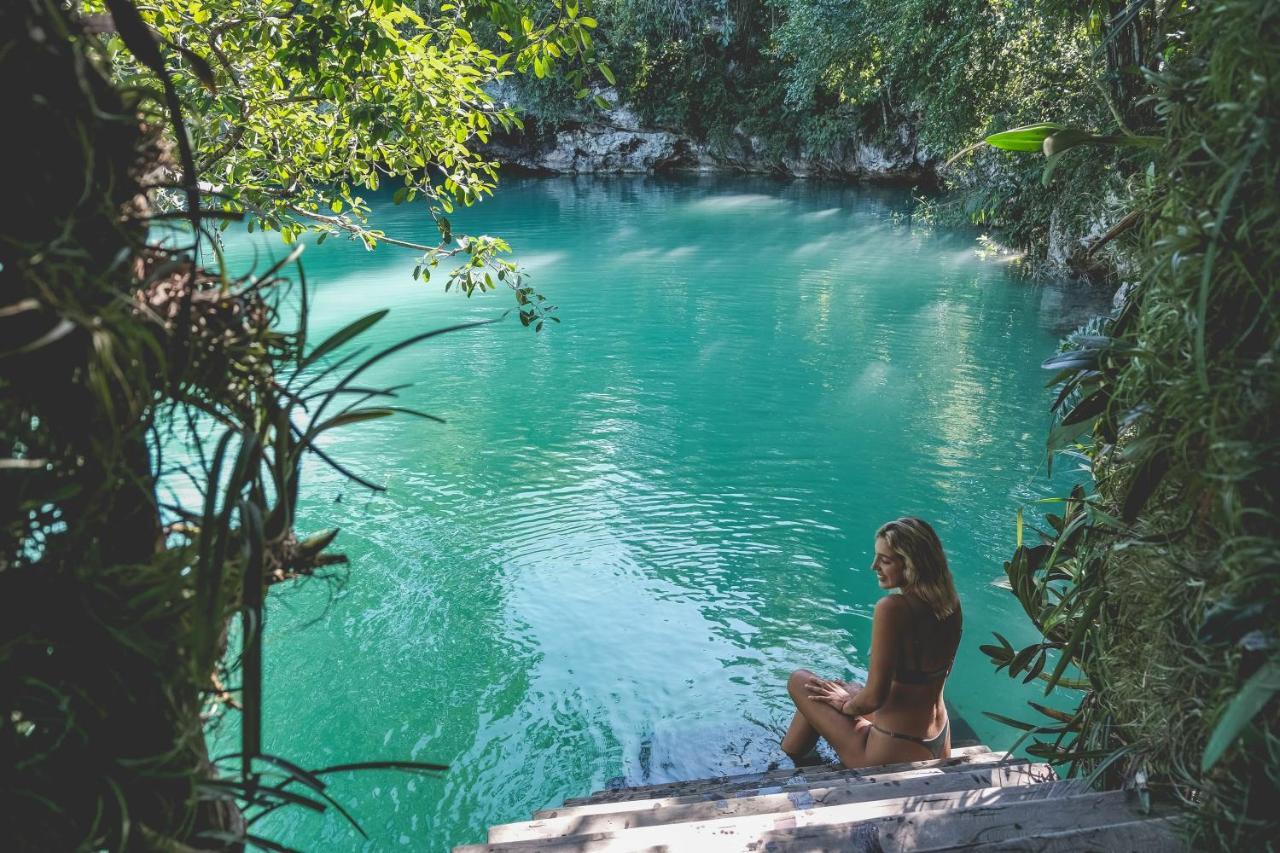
pixel 919 675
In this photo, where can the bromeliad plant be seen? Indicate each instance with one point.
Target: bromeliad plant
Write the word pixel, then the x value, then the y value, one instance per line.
pixel 1055 140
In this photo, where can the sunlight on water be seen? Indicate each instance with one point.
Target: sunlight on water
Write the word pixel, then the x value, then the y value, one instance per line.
pixel 633 525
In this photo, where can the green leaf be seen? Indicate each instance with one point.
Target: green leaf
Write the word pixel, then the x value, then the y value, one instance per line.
pixel 1036 669
pixel 317 542
pixel 1081 359
pixel 1228 621
pixel 608 74
pixel 1062 435
pixel 1049 168
pixel 1047 751
pixel 1030 137
pixel 1022 658
pixel 1053 713
pixel 354 416
pixel 1252 698
pixel 1088 408
pixel 1077 638
pixel 343 335
pixel 1146 477
pixel 998 656
pixel 1017 724
pixel 1066 139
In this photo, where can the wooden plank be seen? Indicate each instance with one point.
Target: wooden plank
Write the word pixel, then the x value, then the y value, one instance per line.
pixel 963 765
pixel 904 821
pixel 775 774
pixel 765 777
pixel 1153 835
pixel 1014 833
pixel 992 776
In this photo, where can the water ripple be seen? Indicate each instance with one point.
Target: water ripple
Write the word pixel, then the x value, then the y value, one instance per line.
pixel 633 525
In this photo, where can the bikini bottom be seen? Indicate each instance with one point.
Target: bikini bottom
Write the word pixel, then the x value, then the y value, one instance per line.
pixel 935 744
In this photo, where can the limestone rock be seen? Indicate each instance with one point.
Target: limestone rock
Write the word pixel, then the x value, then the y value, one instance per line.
pixel 613 141
pixel 592 149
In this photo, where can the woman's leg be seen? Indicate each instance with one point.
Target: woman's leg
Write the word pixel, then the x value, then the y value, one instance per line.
pixel 847 735
pixel 801 737
pixel 800 740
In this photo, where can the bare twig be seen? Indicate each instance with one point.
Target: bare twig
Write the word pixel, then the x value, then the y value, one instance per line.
pixel 1126 222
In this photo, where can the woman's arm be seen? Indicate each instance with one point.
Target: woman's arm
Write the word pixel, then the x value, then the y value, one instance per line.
pixel 887 625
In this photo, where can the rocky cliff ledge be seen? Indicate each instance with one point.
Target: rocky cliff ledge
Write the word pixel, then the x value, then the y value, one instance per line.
pixel 614 142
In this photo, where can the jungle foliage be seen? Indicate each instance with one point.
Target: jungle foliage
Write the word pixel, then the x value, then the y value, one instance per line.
pixel 292 110
pixel 121 339
pixel 1156 590
pixel 812 78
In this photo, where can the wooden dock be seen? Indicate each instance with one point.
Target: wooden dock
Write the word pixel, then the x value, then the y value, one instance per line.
pixel 975 800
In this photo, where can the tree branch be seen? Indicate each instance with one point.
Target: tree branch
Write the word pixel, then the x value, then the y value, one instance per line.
pixel 345 224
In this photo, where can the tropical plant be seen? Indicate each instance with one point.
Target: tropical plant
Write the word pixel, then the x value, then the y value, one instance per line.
pixel 294 110
pixel 119 347
pixel 1156 590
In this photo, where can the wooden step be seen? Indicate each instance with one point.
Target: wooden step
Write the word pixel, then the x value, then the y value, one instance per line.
pixel 794 785
pixel 1152 835
pixel 734 833
pixel 759 779
pixel 916 786
pixel 763 776
pixel 1090 822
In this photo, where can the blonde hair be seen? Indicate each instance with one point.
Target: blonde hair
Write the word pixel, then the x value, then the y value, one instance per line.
pixel 927 575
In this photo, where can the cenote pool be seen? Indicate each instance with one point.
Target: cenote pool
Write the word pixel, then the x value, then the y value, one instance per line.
pixel 635 524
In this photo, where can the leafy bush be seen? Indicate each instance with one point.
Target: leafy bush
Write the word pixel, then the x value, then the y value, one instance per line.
pixel 1160 586
pixel 118 344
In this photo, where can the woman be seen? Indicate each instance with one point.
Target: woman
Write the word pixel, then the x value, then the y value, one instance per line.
pixel 898 715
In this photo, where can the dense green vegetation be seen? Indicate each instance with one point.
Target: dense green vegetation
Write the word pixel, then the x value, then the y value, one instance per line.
pixel 811 77
pixel 123 342
pixel 1160 585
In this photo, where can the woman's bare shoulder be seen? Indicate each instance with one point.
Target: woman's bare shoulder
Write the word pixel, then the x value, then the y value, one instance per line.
pixel 891 607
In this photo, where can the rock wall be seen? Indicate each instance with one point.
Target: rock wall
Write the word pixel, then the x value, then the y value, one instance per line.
pixel 615 142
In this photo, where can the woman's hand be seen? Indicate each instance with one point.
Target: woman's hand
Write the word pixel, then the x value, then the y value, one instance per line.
pixel 834 693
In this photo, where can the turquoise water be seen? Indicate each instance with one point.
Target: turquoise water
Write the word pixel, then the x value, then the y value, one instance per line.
pixel 635 524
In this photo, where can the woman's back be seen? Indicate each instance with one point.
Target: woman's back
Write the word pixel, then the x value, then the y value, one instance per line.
pixel 926 650
pixel 899 714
